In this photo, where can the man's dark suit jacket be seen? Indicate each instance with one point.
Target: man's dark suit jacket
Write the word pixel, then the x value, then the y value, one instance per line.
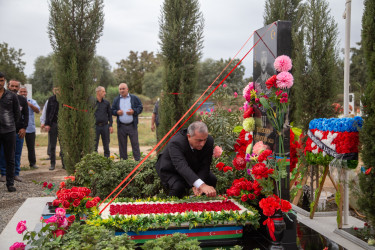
pixel 178 159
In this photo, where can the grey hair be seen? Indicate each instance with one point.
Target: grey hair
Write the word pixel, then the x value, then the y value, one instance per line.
pixel 23 87
pixel 99 88
pixel 197 126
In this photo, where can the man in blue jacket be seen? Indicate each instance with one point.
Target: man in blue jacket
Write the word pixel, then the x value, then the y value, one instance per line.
pixel 127 107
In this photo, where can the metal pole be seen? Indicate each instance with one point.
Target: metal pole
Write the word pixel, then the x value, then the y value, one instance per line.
pixel 346 97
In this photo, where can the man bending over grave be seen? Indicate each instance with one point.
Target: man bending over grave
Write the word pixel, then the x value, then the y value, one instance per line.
pixel 185 162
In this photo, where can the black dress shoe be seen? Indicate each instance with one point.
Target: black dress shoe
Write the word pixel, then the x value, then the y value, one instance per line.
pixel 52 167
pixel 34 167
pixel 11 189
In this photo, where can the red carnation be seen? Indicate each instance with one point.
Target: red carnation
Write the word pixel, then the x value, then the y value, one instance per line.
pixel 66 204
pixel 89 204
pixel 220 166
pixel 56 203
pixel 76 203
pixel 271 82
pixel 58 233
pixel 261 171
pixel 74 195
pixel 251 196
pixel 285 206
pixel 50 186
pixel 248 113
pixel 71 218
pixel 45 184
pixel 244 197
pixel 239 162
pixel 263 156
pixel 227 168
pixel 62 185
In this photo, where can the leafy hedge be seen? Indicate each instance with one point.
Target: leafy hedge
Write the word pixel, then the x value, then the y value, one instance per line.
pixel 102 175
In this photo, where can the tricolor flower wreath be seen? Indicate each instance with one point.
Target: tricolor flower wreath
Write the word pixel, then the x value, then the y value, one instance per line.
pixel 141 215
pixel 333 138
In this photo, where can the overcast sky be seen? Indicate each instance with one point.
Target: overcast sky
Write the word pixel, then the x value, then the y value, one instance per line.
pixel 134 25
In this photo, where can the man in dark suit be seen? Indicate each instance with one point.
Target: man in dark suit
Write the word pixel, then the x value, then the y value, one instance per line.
pixel 185 162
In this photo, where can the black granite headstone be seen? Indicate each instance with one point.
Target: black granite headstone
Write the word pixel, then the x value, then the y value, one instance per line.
pixel 270 42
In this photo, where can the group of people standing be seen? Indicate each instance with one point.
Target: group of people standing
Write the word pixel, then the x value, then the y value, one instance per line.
pixel 183 164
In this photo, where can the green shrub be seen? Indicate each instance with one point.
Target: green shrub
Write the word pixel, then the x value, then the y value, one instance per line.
pixel 176 241
pixel 102 175
pixel 83 236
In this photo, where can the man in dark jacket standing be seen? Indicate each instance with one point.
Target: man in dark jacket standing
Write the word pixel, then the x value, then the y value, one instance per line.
pixel 9 115
pixel 51 127
pixel 185 162
pixel 103 120
pixel 127 107
pixel 21 125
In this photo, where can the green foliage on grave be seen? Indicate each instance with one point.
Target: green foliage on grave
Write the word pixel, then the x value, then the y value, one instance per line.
pixel 83 236
pixel 175 241
pixel 102 175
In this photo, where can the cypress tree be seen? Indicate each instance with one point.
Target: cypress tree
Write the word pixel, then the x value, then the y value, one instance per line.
pixel 181 38
pixel 367 135
pixel 290 10
pixel 74 29
pixel 317 81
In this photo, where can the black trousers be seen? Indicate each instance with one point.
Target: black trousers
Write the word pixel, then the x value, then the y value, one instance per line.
pixel 8 141
pixel 102 131
pixel 30 143
pixel 178 187
pixel 123 132
pixel 53 135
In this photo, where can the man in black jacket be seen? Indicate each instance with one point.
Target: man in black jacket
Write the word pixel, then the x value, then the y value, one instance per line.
pixel 9 115
pixel 185 162
pixel 103 120
pixel 51 127
pixel 21 125
pixel 127 107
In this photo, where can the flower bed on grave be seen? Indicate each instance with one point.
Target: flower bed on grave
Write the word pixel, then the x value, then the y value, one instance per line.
pixel 198 217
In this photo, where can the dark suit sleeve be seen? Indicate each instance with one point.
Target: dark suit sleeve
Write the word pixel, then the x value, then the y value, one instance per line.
pixel 25 114
pixel 180 164
pixel 109 111
pixel 115 106
pixel 16 109
pixel 137 107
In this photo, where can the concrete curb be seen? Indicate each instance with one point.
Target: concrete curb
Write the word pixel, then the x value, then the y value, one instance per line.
pixel 353 239
pixel 30 211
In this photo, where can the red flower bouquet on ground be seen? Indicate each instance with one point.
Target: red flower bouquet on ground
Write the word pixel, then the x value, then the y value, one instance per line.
pixel 244 189
pixel 76 201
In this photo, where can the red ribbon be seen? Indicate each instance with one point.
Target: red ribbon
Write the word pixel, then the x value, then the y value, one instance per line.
pixel 84 110
pixel 271 226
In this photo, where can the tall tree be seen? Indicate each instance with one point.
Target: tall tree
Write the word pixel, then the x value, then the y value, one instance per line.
pixel 11 63
pixel 358 71
pixel 74 29
pixel 181 38
pixel 133 69
pixel 42 78
pixel 367 135
pixel 290 10
pixel 102 73
pixel 317 81
pixel 153 82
